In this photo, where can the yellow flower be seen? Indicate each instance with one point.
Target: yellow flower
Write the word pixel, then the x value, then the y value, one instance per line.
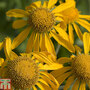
pixel 40 21
pixel 72 17
pixel 29 71
pixel 77 72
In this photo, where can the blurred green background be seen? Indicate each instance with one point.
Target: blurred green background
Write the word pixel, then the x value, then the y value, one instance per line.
pixel 6 23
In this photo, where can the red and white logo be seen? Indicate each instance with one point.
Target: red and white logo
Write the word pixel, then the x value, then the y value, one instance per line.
pixel 5 84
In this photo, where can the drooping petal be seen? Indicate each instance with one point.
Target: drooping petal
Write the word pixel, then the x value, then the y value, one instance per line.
pixel 7 47
pixel 84 24
pixel 17 13
pixel 85 17
pixel 40 86
pixel 86 37
pixel 42 42
pixel 78 31
pixel 34 88
pixel 36 43
pixel 49 45
pixel 76 85
pixel 62 33
pixel 19 24
pixel 63 7
pixel 20 38
pixel 63 60
pixel 62 77
pixel 71 35
pixel 50 79
pixel 30 43
pixel 59 72
pixel 51 3
pixel 42 81
pixel 69 81
pixel 82 85
pixel 63 42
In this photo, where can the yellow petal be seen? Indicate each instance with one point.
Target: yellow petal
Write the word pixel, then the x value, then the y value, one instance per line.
pixel 46 87
pixel 42 81
pixel 63 7
pixel 42 42
pixel 63 60
pixel 85 16
pixel 63 42
pixel 62 77
pixel 62 32
pixel 20 38
pixel 58 14
pixel 78 31
pixel 86 42
pixel 34 88
pixel 84 24
pixel 17 13
pixel 78 50
pixel 82 86
pixel 40 86
pixel 71 35
pixel 59 72
pixel 69 81
pixel 45 4
pixel 49 45
pixel 13 55
pixel 19 24
pixel 59 19
pixel 30 43
pixel 42 58
pixel 7 47
pixel 36 43
pixel 51 3
pixel 1 45
pixel 76 85
pixel 1 61
pixel 53 66
pixel 37 4
pixel 50 80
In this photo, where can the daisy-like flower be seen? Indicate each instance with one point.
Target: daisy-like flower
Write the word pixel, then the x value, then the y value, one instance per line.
pixel 40 20
pixel 77 70
pixel 29 71
pixel 72 17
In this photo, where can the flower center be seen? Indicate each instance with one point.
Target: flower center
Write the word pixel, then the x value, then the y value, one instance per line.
pixel 81 67
pixel 23 72
pixel 70 15
pixel 41 19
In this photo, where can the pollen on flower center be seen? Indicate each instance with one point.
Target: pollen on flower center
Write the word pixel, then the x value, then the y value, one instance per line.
pixel 41 20
pixel 70 15
pixel 81 66
pixel 23 72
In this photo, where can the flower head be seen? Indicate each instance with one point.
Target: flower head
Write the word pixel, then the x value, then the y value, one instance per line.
pixel 77 72
pixel 30 70
pixel 72 16
pixel 40 21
